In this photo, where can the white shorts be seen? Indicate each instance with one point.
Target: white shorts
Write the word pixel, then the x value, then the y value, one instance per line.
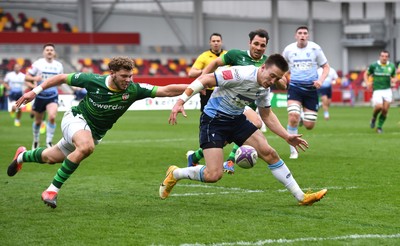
pixel 70 124
pixel 378 96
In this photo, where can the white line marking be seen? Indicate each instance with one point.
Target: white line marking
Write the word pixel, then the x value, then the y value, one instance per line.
pixel 231 190
pixel 307 239
pixel 163 140
pixel 139 141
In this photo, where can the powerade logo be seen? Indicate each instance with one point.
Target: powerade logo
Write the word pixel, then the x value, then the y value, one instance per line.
pixel 106 106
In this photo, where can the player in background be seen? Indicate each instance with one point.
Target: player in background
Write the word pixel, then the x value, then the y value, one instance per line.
pixel 14 83
pixel 325 91
pixel 223 122
pixel 304 58
pixel 383 73
pixel 83 126
pixel 203 60
pixel 253 56
pixel 46 100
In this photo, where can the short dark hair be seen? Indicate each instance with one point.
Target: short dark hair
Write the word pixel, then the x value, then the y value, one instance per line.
pixel 386 51
pixel 302 27
pixel 118 63
pixel 49 44
pixel 259 32
pixel 277 60
pixel 216 34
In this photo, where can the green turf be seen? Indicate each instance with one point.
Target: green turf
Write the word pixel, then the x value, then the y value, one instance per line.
pixel 112 199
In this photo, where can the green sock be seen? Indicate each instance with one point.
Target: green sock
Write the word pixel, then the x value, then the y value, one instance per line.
pixel 198 155
pixel 64 172
pixel 381 121
pixel 231 156
pixel 33 155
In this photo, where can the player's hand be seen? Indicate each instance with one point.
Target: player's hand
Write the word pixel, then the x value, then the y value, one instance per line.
pixel 317 84
pixel 178 107
pixel 26 98
pixel 281 84
pixel 296 141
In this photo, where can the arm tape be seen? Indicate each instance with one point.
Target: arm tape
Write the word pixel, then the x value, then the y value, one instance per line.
pixel 37 89
pixel 196 86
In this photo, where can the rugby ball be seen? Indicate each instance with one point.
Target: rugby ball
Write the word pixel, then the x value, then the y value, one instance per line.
pixel 246 156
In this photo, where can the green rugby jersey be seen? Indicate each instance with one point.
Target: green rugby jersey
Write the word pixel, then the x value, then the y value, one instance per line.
pixel 381 74
pixel 241 58
pixel 102 107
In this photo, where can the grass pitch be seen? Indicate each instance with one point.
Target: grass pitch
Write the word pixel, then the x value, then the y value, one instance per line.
pixel 112 198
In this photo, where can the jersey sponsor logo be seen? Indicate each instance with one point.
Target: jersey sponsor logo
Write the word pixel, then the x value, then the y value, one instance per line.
pixel 106 106
pixel 77 75
pixel 227 74
pixel 237 76
pixel 242 101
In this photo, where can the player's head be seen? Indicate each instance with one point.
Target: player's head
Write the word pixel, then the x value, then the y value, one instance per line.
pixel 301 36
pixel 121 72
pixel 17 67
pixel 216 42
pixel 272 70
pixel 384 56
pixel 258 43
pixel 49 51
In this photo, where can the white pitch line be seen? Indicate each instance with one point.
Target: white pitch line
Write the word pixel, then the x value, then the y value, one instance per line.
pixel 307 239
pixel 139 141
pixel 230 190
pixel 162 140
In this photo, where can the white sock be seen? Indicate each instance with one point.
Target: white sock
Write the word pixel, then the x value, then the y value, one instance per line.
pixel 53 188
pixel 282 173
pixel 292 130
pixel 35 130
pixel 19 158
pixel 192 173
pixel 50 130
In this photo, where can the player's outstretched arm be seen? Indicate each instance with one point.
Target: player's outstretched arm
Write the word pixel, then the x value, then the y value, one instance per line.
pixel 53 81
pixel 171 90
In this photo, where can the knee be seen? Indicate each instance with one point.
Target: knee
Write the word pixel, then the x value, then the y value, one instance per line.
pixel 294 112
pixel 212 177
pixel 309 119
pixel 85 149
pixel 268 154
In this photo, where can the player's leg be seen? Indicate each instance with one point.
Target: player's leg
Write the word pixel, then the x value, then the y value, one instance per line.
pixel 212 140
pixel 77 144
pixel 310 109
pixel 377 104
pixel 194 157
pixel 51 109
pixel 387 99
pixel 325 106
pixel 15 112
pixel 209 174
pixel 280 171
pixel 294 111
pixel 254 118
pixel 38 116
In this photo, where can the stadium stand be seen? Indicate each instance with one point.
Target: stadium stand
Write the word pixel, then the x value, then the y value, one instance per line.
pixel 22 23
